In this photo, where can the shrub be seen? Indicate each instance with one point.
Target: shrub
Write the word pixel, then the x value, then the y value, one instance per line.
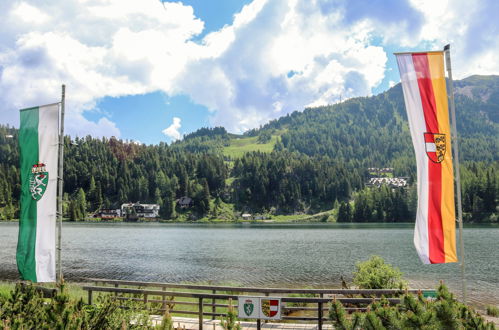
pixel 414 312
pixel 376 274
pixel 229 322
pixel 493 311
pixel 166 322
pixel 26 309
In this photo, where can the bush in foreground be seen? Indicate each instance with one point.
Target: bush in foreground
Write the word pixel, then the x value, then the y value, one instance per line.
pixel 376 274
pixel 26 309
pixel 413 312
pixel 493 311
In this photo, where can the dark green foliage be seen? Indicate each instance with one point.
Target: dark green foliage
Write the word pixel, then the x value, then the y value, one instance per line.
pixel 26 309
pixel 345 212
pixel 338 316
pixel 321 156
pixel 264 137
pixel 412 313
pixel 291 182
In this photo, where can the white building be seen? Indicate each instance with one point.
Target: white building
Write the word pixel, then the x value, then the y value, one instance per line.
pixel 140 210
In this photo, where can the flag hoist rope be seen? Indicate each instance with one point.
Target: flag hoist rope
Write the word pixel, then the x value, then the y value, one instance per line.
pixel 60 187
pixel 457 175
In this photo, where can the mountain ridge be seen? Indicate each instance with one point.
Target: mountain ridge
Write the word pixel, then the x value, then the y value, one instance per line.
pixel 306 162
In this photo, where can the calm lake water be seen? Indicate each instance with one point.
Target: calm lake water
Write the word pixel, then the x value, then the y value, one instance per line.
pixel 293 255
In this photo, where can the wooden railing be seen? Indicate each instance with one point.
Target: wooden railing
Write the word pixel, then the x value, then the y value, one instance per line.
pixel 213 296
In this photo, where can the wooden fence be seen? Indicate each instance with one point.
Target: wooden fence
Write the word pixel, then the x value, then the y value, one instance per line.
pixel 217 297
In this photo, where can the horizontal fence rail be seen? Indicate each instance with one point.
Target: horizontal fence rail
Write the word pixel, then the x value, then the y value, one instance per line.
pixel 294 307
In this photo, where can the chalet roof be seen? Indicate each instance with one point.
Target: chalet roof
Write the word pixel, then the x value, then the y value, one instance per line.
pixel 184 200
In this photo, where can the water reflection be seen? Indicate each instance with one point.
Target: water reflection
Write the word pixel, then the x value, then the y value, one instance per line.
pixel 258 255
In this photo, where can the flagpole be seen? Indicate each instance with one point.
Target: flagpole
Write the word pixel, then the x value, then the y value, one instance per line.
pixel 60 188
pixel 456 166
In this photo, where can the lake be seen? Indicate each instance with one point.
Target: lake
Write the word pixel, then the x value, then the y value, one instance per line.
pixel 270 255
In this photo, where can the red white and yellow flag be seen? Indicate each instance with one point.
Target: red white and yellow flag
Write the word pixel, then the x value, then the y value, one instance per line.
pixel 425 95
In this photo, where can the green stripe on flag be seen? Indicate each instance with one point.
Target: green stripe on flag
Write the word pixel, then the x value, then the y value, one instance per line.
pixel 28 145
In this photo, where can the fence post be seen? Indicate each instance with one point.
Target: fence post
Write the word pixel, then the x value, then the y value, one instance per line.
pixel 200 314
pixel 319 315
pixel 90 297
pixel 320 311
pixel 258 324
pixel 213 308
pixel 163 298
pixel 116 285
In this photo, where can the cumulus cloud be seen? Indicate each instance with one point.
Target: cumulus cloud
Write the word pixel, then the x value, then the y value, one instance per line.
pixel 276 56
pixel 172 131
pixel 280 56
pixel 98 49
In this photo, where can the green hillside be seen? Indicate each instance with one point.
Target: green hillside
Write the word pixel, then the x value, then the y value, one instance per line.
pixel 303 163
pixel 240 145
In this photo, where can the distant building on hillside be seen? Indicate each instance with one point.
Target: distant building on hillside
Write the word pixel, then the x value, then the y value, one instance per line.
pixel 138 210
pixel 107 213
pixel 392 182
pixel 184 202
pixel 377 172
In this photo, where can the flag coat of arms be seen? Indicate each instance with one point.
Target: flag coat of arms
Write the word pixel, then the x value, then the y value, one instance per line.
pixel 249 307
pixel 423 83
pixel 38 144
pixel 271 308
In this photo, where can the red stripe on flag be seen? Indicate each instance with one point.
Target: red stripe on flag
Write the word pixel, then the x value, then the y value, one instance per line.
pixel 422 68
pixel 435 230
pixel 429 138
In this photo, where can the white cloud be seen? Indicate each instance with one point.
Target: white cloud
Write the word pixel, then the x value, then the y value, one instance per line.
pixel 277 56
pixel 29 14
pixel 98 49
pixel 284 53
pixel 79 126
pixel 172 131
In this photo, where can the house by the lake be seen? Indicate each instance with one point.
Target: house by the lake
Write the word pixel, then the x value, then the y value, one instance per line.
pixel 140 210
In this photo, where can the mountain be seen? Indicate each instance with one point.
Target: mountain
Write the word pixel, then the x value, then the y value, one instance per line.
pixel 307 161
pixel 372 130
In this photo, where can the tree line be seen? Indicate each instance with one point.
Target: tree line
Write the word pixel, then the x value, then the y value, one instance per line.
pixel 319 162
pixel 104 173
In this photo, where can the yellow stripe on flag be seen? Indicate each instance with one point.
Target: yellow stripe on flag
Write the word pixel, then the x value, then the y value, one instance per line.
pixel 436 63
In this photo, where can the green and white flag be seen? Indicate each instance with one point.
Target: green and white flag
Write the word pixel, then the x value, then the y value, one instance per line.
pixel 38 143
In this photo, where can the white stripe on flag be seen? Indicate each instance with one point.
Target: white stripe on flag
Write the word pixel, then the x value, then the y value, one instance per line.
pixel 48 131
pixel 430 147
pixel 417 125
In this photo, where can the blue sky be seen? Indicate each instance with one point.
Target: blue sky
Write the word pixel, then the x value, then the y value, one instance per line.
pixel 153 70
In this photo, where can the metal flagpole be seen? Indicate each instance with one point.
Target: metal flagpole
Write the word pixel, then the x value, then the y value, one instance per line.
pixel 60 188
pixel 457 175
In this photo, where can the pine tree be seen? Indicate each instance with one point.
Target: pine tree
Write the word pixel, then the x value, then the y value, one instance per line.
pixel 81 205
pixel 205 198
pixel 345 212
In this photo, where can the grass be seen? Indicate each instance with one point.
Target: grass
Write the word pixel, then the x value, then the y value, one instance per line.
pixel 74 290
pixel 6 288
pixel 322 216
pixel 493 311
pixel 239 146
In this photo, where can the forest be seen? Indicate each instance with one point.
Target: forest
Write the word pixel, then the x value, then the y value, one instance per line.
pixel 314 160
